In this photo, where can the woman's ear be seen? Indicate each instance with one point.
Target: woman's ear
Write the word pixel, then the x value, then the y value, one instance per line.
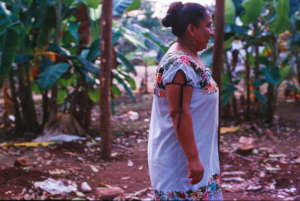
pixel 191 30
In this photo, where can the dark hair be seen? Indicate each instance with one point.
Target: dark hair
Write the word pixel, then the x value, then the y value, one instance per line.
pixel 180 15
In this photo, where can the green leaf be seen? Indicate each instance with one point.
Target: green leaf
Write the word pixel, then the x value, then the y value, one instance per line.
pixel 229 12
pixel 281 22
pixel 260 97
pixel 284 73
pixel 131 82
pixel 94 50
pixel 73 29
pixel 126 62
pixel 127 89
pixel 92 3
pixel 136 4
pixel 35 88
pixel 61 95
pixel 94 95
pixel 272 74
pixel 145 36
pixel 120 6
pixel 66 82
pixel 228 43
pixel 51 74
pixel 253 9
pixel 115 90
pixel 85 64
pixel 10 47
pixel 48 23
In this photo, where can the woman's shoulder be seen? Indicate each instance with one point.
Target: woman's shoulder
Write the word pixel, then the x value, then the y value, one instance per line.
pixel 177 57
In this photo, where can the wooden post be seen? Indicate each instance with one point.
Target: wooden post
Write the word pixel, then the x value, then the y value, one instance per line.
pixel 218 52
pixel 105 76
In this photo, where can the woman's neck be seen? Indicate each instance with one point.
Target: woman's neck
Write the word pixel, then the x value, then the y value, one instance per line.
pixel 187 47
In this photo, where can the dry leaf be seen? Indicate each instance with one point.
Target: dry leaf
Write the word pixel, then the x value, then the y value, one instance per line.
pixel 28 144
pixel 225 130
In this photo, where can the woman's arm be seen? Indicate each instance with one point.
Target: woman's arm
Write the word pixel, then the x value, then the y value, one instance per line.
pixel 182 121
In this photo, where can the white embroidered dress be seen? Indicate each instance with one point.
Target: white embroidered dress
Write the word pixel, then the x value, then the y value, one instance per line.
pixel 167 161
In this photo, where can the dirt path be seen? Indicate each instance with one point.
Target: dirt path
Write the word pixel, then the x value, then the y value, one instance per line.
pixel 270 172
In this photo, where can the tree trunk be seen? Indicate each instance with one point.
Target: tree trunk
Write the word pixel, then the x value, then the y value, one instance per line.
pixel 58 12
pixel 27 103
pixel 248 102
pixel 146 79
pixel 19 122
pixel 45 107
pixel 272 88
pixel 105 73
pixel 256 76
pixel 218 51
pixel 271 103
pixel 235 58
pixel 298 65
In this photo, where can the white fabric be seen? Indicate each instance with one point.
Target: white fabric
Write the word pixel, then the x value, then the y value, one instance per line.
pixel 167 161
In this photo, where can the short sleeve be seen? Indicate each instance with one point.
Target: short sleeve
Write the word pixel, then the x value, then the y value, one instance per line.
pixel 183 64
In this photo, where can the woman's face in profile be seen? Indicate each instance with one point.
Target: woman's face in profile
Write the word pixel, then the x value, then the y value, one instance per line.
pixel 203 33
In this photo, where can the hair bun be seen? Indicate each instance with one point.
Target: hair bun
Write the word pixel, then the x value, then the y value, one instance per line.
pixel 172 12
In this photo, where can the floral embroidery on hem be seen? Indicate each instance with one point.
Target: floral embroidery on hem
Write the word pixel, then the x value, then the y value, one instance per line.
pixel 210 192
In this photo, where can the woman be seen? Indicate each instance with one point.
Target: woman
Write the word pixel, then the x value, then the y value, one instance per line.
pixel 182 150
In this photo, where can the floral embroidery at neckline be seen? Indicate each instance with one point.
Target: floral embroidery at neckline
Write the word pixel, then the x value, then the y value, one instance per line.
pixel 197 67
pixel 206 83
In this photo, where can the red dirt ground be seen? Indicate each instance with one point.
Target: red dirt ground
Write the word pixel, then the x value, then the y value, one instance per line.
pixel 75 161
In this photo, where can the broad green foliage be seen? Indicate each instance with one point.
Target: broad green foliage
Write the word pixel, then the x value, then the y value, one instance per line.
pixel 281 22
pixel 51 74
pixel 272 24
pixel 136 4
pixel 92 3
pixel 229 12
pixel 120 6
pixel 253 9
pixel 10 47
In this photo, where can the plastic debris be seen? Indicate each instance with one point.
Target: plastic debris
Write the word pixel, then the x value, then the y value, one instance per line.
pixel 130 163
pixel 238 179
pixel 55 187
pixel 85 187
pixel 233 173
pixel 254 187
pixel 130 115
pixel 94 169
pixel 60 138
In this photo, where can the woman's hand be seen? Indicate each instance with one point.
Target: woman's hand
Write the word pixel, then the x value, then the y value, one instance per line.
pixel 196 170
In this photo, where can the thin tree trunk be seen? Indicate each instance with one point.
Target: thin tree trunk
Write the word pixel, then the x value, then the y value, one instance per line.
pixel 146 79
pixel 247 66
pixel 271 106
pixel 298 65
pixel 12 84
pixel 218 52
pixel 235 55
pixel 256 76
pixel 105 74
pixel 45 107
pixel 58 12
